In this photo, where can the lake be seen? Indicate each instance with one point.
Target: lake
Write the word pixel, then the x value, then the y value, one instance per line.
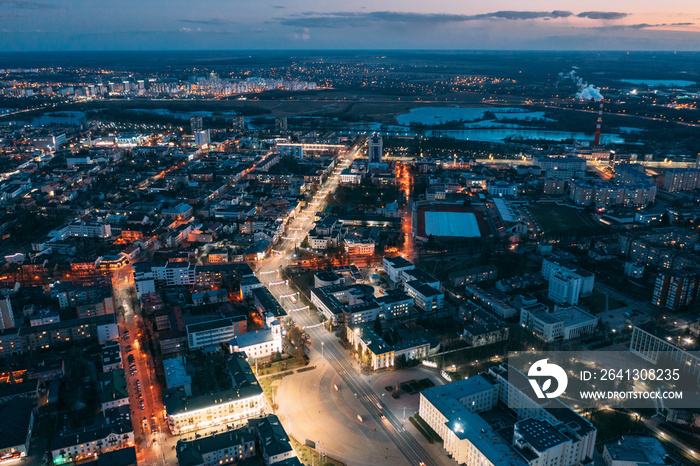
pixel 437 115
pixel 497 135
pixel 58 118
pixel 179 115
pixel 660 82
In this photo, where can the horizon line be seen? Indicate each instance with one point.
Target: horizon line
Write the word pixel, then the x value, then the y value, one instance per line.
pixel 671 51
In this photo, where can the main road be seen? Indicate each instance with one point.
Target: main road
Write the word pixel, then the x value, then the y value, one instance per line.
pixel 149 449
pixel 339 359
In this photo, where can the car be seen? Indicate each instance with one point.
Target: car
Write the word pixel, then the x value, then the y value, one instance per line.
pixel 381 415
pixel 336 387
pixel 359 418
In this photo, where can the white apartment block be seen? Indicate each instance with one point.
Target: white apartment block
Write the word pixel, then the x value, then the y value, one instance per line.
pixel 562 324
pixel 212 333
pixel 393 266
pixel 424 296
pixel 541 436
pixel 565 288
pixel 235 406
pixel 552 266
pixel 259 343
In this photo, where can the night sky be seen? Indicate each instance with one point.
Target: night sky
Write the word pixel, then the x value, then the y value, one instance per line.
pixel 45 25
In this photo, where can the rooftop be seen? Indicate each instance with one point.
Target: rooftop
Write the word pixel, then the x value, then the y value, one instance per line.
pixel 423 288
pixel 273 438
pixel 214 324
pixel 398 262
pixel 15 416
pixel 248 339
pixel 90 435
pixel 268 302
pixel 540 434
pixel 175 372
pixel 121 457
pixel 239 382
pixel 190 453
pixel 638 450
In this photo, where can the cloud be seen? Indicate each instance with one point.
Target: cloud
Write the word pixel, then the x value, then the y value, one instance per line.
pixel 642 26
pixel 516 15
pixel 602 15
pixel 279 7
pixel 207 22
pixel 360 19
pixel 28 5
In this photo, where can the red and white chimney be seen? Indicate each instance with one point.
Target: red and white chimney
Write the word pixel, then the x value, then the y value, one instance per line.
pixel 596 140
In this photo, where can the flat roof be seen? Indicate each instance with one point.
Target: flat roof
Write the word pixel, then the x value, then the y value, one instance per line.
pixel 15 416
pixel 453 224
pixel 420 275
pixel 214 324
pixel 398 262
pixel 646 450
pixel 175 372
pixel 245 385
pixel 573 315
pixel 439 396
pixel 424 289
pixel 540 434
pixel 244 340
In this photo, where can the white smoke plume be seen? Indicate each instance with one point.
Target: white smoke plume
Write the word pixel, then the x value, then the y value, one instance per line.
pixel 585 91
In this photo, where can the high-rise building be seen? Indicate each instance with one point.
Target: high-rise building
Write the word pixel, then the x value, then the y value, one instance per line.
pixel 239 123
pixel 7 319
pixel 681 179
pixel 197 123
pixel 565 288
pixel 375 148
pixel 281 124
pixel 674 290
pixel 202 138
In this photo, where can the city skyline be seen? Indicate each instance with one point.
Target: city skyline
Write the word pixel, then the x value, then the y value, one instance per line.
pixel 32 25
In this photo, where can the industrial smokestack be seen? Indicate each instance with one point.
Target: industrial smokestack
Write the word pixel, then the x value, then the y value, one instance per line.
pixel 596 140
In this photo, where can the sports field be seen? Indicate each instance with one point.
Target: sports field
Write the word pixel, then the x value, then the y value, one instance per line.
pixel 559 219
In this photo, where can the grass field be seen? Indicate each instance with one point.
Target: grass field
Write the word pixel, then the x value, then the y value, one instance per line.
pixel 596 302
pixel 559 219
pixel 614 423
